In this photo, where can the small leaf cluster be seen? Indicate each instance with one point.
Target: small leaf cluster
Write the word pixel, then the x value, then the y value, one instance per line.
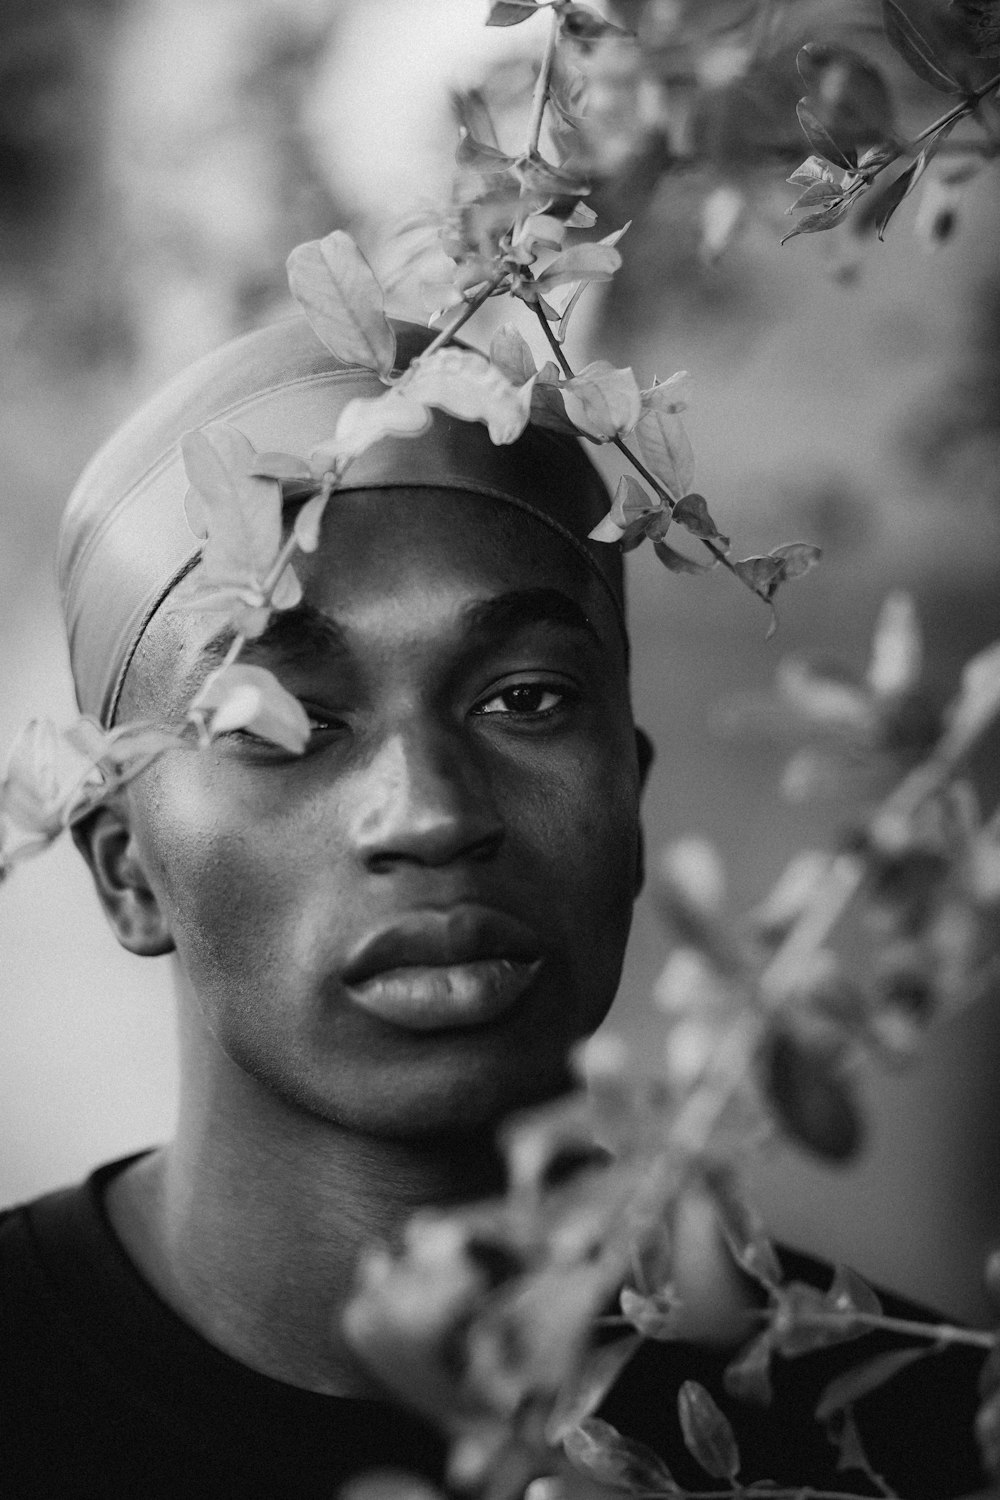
pixel 54 778
pixel 506 234
pixel 708 93
pixel 848 119
pixel 494 1320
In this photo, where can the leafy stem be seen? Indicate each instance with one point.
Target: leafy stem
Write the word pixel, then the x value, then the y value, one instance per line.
pixel 965 107
pixel 471 307
pixel 623 447
pixel 933 1333
pixel 543 85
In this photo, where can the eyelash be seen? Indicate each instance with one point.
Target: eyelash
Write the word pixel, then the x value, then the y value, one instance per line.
pixel 546 689
pixel 320 724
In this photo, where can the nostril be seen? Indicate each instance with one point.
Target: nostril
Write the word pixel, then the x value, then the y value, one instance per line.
pixel 424 801
pixel 442 848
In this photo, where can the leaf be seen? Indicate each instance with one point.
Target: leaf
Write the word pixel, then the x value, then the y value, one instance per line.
pixel 665 445
pixel 842 1432
pixel 795 888
pixel 818 192
pixel 721 214
pixel 825 703
pixel 857 1382
pixel 708 1435
pixel 814 169
pixel 43 771
pixel 603 402
pixel 608 240
pixel 595 262
pixel 806 1086
pixel 897 649
pixel 511 354
pixel 367 420
pixel 307 522
pixel 916 49
pixel 598 1373
pixel 510 12
pixel 676 562
pixel 479 157
pixel 894 195
pixel 340 295
pixel 825 218
pixel 537 175
pixel 743 1230
pixel 796 558
pixel 285 467
pixel 582 215
pixel 600 1451
pixel 251 698
pixel 583 24
pixel 978 702
pixel 849 1292
pixel 804 1319
pixel 538 232
pixel 820 138
pixel 655 1316
pixel 237 513
pixel 466 385
pixel 548 408
pixel 670 396
pixel 764 575
pixel 631 502
pixel 691 512
pixel 847 94
pixel 216 458
pixel 748 1376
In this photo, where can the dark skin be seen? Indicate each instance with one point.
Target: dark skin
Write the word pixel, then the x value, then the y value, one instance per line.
pixel 473 749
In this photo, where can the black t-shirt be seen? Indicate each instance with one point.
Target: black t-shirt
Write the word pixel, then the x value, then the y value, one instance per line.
pixel 106 1394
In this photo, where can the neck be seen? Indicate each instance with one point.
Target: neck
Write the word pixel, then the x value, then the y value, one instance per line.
pixel 251 1221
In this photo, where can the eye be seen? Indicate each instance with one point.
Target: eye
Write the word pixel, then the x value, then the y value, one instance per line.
pixel 524 700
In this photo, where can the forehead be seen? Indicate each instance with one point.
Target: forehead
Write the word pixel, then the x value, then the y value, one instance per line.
pixel 406 566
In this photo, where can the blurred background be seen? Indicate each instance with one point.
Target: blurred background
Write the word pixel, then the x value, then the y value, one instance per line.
pixel 158 160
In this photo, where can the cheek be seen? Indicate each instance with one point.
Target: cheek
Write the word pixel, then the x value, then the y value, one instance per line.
pixel 228 870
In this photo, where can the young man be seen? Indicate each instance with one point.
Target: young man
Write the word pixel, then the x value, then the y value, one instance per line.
pixel 382 947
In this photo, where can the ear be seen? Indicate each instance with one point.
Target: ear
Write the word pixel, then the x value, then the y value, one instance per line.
pixel 108 845
pixel 644 752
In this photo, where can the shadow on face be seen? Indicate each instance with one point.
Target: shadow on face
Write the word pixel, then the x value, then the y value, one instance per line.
pixel 406 928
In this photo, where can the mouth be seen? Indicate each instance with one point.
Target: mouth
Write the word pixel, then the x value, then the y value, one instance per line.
pixel 430 970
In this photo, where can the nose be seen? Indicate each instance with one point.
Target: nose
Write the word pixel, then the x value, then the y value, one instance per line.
pixel 421 799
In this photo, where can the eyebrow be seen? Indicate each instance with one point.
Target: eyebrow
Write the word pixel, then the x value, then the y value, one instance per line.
pixel 297 637
pixel 521 608
pixel 293 636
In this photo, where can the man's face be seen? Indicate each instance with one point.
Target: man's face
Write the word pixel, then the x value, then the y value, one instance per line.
pixel 406 928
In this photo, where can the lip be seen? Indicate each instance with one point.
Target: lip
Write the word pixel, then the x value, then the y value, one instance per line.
pixel 432 969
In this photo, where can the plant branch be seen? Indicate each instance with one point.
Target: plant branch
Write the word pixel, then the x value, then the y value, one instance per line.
pixel 623 448
pixel 467 311
pixel 934 1333
pixel 543 83
pixel 971 101
pixel 554 344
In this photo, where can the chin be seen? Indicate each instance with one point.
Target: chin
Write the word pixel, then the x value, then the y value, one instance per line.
pixel 445 1102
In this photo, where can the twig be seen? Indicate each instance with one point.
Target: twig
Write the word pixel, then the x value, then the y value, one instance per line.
pixel 471 307
pixel 970 102
pixel 934 1333
pixel 543 83
pixel 658 489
